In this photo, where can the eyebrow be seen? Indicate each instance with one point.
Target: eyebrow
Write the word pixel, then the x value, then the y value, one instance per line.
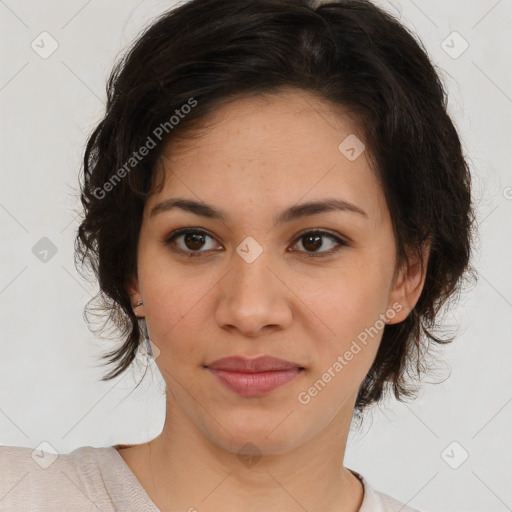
pixel 294 212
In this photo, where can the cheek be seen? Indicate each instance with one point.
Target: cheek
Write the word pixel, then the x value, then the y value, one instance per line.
pixel 353 299
pixel 341 360
pixel 351 308
pixel 173 302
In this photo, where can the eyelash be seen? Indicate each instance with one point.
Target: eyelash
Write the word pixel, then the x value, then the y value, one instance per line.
pixel 341 243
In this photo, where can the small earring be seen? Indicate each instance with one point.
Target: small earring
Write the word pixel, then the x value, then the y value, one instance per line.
pixel 149 349
pixel 136 305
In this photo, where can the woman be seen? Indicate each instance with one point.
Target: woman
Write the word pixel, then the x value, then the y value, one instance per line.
pixel 278 200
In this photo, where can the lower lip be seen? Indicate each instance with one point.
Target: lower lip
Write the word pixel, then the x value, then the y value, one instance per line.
pixel 255 384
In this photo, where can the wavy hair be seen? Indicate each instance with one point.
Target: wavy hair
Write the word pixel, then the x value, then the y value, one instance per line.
pixel 349 53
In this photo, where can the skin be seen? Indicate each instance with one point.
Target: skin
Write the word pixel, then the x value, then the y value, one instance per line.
pixel 260 156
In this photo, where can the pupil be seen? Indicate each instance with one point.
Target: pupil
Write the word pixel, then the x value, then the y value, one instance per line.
pixel 316 239
pixel 194 238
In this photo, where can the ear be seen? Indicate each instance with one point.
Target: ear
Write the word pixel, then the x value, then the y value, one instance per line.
pixel 134 292
pixel 408 285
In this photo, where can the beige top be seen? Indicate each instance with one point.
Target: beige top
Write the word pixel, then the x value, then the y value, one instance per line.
pixel 98 479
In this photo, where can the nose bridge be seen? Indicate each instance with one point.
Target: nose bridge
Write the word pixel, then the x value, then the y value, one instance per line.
pixel 251 295
pixel 251 277
pixel 251 258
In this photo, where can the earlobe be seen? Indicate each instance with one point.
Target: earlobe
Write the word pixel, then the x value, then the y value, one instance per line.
pixel 409 285
pixel 135 297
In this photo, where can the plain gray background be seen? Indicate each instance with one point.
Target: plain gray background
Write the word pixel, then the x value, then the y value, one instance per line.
pixel 49 361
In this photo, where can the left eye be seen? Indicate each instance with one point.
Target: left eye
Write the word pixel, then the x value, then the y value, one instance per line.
pixel 192 240
pixel 313 240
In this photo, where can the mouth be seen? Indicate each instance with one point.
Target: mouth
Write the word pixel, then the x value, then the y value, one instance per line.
pixel 254 377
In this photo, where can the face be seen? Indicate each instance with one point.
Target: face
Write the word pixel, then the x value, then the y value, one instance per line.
pixel 312 289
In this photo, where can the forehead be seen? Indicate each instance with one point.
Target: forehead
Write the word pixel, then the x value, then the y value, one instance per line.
pixel 273 149
pixel 269 121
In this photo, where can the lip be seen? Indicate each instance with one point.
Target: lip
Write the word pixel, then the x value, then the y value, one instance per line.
pixel 255 365
pixel 254 377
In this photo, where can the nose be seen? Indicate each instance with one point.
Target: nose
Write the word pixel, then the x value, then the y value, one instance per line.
pixel 253 298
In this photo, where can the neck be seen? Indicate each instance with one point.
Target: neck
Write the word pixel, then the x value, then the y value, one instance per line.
pixel 183 470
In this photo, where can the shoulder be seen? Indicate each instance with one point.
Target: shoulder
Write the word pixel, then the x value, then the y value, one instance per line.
pixel 376 501
pixel 41 479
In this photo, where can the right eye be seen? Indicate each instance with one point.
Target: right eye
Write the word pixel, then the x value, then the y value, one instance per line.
pixel 189 241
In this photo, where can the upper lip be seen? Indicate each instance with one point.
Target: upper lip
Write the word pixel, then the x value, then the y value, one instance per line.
pixel 256 365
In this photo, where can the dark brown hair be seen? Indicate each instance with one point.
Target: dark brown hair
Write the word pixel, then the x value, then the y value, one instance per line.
pixel 348 53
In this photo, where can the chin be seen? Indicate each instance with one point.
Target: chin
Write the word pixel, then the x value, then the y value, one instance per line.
pixel 254 436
